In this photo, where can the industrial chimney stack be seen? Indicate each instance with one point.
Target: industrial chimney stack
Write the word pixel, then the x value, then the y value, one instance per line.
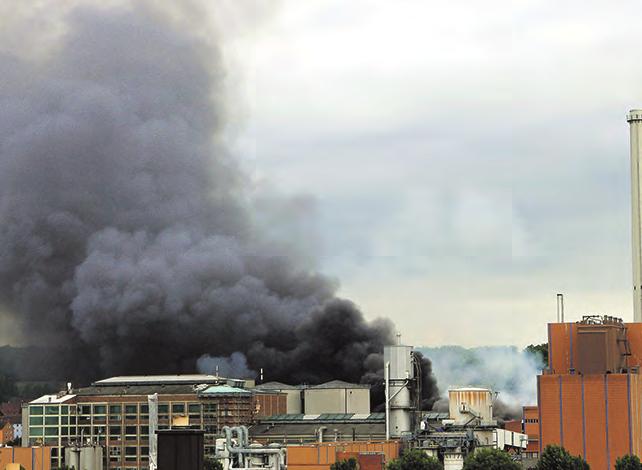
pixel 635 120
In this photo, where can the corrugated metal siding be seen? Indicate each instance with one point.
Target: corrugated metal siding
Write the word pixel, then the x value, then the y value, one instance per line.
pixel 549 409
pixel 636 414
pixel 321 456
pixel 618 409
pixel 562 338
pixel 31 458
pixel 595 413
pixel 572 414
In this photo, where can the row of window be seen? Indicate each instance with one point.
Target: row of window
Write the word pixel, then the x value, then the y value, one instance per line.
pixel 128 409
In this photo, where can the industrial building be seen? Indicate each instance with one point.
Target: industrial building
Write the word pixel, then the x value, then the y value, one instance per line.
pixel 328 427
pixel 335 396
pixel 114 413
pixel 590 398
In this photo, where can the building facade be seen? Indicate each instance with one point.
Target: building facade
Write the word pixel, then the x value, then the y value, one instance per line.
pixel 590 397
pixel 114 413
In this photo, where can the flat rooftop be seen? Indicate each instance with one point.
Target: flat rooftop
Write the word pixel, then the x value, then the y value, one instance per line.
pixel 181 379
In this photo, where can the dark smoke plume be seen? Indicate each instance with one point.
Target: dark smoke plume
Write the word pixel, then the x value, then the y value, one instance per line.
pixel 127 238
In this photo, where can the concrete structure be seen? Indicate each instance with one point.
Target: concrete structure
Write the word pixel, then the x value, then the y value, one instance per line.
pixel 337 397
pixel 635 121
pixel 307 429
pixel 596 415
pixel 115 413
pixel 294 395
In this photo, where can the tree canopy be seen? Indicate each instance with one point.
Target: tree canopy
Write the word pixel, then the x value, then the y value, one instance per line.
pixel 558 458
pixel 490 459
pixel 415 459
pixel 628 462
pixel 349 464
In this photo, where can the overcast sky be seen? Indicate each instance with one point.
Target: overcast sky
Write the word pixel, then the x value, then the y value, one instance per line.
pixel 462 161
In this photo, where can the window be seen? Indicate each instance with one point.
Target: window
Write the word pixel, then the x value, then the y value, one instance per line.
pixel 131 409
pixel 144 409
pixel 51 431
pixel 100 409
pixel 52 410
pixel 194 408
pixel 130 430
pixel 85 409
pixel 144 430
pixel 35 431
pixel 64 409
pixel 35 410
pixel 164 408
pixel 35 421
pixel 115 409
pixel 131 450
pixel 51 420
pixel 114 431
pixel 64 420
pixel 178 408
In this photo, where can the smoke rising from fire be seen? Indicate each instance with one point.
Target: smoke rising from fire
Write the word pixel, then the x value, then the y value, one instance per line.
pixel 127 231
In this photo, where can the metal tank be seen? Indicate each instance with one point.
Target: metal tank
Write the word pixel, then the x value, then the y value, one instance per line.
pixel 471 406
pixel 400 373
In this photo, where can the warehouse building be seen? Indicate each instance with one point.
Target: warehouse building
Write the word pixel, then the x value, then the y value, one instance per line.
pixel 327 427
pixel 114 413
pixel 590 398
pixel 334 397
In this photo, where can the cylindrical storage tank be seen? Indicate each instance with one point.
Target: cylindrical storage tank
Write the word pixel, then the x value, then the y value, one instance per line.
pixel 401 370
pixel 467 405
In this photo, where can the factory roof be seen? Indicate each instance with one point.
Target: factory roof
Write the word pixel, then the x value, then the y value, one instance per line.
pixel 160 380
pixel 333 384
pixel 224 390
pixel 279 386
pixel 326 417
pixel 51 399
pixel 307 431
pixel 120 390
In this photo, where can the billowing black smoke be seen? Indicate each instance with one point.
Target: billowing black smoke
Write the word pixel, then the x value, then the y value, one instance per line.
pixel 126 234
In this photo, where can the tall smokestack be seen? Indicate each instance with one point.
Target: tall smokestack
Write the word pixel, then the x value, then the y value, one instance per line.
pixel 635 120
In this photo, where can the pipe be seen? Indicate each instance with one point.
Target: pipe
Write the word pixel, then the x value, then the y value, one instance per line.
pixel 560 308
pixel 386 374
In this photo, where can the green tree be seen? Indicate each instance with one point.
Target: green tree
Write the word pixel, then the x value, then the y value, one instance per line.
pixel 350 464
pixel 212 464
pixel 415 459
pixel 490 459
pixel 540 350
pixel 558 458
pixel 628 462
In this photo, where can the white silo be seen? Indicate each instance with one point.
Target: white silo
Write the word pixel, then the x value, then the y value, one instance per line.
pixel 400 373
pixel 635 120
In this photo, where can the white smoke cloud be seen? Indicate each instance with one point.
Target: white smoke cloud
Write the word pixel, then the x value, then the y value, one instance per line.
pixel 504 369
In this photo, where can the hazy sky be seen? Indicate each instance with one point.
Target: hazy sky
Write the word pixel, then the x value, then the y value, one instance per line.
pixel 464 160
